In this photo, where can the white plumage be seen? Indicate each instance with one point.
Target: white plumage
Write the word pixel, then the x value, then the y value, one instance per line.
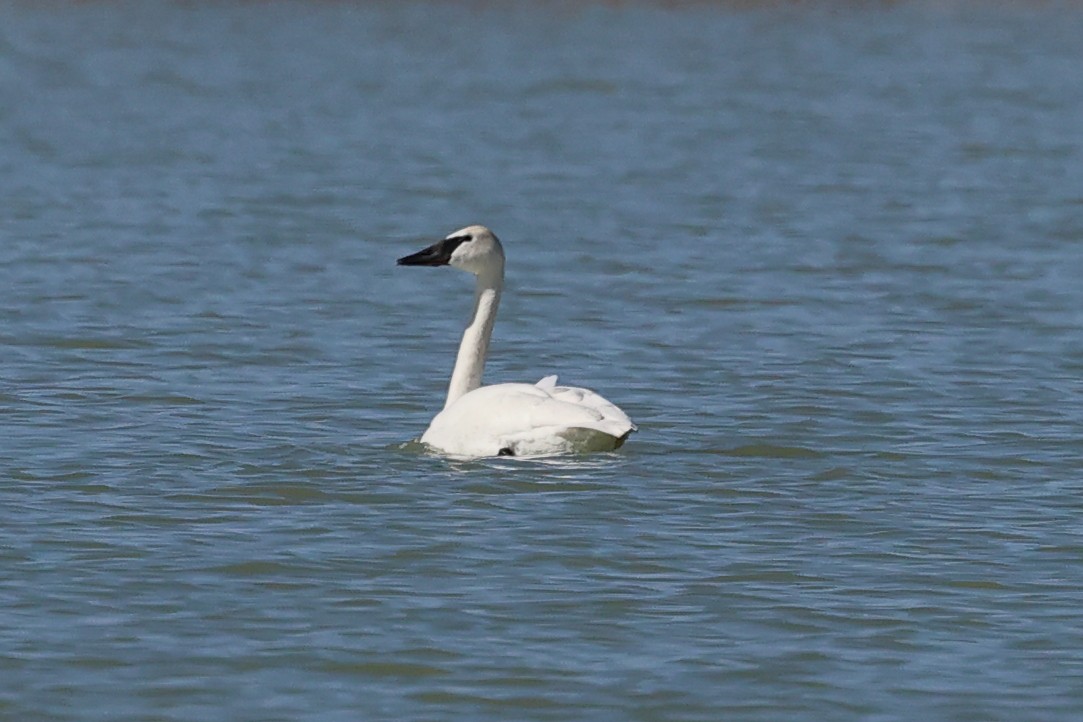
pixel 508 419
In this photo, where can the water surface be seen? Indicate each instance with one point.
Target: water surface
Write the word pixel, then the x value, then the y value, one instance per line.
pixel 826 257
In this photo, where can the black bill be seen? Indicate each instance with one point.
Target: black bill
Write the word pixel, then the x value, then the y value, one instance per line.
pixel 438 254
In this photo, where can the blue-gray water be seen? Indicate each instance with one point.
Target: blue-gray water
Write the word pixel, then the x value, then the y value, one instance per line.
pixel 828 257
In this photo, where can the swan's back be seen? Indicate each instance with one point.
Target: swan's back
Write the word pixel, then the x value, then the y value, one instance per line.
pixel 528 420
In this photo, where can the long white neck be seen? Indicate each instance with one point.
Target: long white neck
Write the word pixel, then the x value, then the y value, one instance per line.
pixel 470 363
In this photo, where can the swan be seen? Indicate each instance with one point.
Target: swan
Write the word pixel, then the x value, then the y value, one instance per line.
pixel 514 419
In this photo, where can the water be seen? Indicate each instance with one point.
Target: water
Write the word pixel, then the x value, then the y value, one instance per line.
pixel 826 257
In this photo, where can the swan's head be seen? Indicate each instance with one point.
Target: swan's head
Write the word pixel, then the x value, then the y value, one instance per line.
pixel 474 249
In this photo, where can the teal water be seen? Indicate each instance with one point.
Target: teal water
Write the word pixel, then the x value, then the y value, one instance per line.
pixel 827 258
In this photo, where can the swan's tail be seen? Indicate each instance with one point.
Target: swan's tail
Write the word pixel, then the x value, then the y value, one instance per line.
pixel 581 440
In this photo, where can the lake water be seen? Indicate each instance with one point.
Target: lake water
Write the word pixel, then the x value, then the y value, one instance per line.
pixel 827 256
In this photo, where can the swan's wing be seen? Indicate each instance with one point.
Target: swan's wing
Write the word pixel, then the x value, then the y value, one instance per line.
pixel 587 399
pixel 570 420
pixel 584 398
pixel 599 408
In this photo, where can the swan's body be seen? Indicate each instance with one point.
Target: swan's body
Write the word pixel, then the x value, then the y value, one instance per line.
pixel 508 419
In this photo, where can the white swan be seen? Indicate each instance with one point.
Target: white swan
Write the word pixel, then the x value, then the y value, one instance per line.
pixel 508 419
